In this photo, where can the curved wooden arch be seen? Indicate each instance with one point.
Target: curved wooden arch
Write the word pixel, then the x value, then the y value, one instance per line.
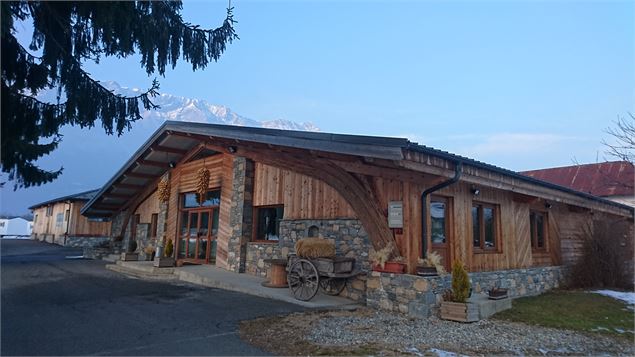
pixel 353 189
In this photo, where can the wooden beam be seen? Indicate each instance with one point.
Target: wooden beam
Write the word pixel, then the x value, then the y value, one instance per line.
pixel 140 175
pixel 160 164
pixel 116 195
pixel 106 206
pixel 128 185
pixel 161 148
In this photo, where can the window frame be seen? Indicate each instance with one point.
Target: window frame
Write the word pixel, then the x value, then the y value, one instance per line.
pixel 446 218
pixel 154 219
pixel 254 229
pixel 533 231
pixel 481 249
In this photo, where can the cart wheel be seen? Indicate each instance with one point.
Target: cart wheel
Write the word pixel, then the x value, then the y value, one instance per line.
pixel 303 280
pixel 332 286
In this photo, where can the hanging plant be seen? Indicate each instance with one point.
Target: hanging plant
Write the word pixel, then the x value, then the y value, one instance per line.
pixel 163 190
pixel 202 185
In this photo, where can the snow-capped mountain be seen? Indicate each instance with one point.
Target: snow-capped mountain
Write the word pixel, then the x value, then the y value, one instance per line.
pixel 178 108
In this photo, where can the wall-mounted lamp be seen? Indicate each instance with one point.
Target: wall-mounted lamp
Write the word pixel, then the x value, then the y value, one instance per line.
pixel 172 164
pixel 232 149
pixel 475 191
pixel 548 205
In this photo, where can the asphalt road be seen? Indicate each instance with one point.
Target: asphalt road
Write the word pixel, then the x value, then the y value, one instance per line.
pixel 55 305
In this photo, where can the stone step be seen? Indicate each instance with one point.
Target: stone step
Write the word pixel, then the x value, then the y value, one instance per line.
pixel 140 273
pixel 145 267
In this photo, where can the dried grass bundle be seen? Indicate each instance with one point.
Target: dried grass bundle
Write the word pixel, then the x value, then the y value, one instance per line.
pixel 315 248
pixel 163 190
pixel 202 185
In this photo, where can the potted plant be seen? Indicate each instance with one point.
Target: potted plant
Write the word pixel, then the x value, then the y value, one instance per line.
pixel 149 250
pixel 431 265
pixel 455 306
pixel 166 261
pixel 383 262
pixel 129 254
pixel 497 293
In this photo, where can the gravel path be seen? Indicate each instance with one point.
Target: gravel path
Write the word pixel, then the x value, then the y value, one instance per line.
pixel 483 337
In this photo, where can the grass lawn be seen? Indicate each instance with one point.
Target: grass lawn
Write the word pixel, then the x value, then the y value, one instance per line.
pixel 573 310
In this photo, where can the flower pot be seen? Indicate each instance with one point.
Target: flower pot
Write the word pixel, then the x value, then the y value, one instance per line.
pixel 427 271
pixel 391 267
pixel 497 294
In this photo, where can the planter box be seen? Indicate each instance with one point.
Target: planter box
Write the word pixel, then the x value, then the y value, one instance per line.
pixel 336 265
pixel 128 257
pixel 457 311
pixel 163 262
pixel 391 267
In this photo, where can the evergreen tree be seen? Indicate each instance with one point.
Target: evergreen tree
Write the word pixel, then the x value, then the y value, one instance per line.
pixel 68 34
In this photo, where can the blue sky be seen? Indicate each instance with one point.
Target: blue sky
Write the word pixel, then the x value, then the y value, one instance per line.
pixel 491 80
pixel 522 85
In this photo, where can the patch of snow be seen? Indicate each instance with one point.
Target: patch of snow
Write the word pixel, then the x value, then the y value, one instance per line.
pixel 600 328
pixel 442 353
pixel 626 296
pixel 414 350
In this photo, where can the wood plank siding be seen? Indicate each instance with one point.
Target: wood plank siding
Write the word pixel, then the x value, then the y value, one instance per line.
pixel 73 223
pixel 303 197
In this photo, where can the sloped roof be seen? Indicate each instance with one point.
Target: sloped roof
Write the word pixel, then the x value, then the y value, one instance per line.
pixel 173 140
pixel 605 179
pixel 82 196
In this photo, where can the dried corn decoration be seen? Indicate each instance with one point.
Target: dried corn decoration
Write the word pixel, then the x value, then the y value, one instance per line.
pixel 163 190
pixel 202 185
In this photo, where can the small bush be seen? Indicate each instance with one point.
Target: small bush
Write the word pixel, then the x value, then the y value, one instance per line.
pixel 169 248
pixel 460 282
pixel 606 247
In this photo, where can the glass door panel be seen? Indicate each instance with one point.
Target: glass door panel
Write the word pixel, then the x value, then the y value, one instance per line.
pixel 191 239
pixel 203 237
pixel 182 248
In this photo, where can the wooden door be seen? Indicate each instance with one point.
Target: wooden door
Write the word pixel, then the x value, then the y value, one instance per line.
pixel 197 235
pixel 440 229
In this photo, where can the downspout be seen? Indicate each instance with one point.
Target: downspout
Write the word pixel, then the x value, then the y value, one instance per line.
pixel 458 171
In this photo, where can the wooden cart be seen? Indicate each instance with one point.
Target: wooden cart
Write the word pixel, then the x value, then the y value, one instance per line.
pixel 306 276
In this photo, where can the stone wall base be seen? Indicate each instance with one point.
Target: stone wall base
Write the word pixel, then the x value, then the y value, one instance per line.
pixel 420 296
pixel 350 240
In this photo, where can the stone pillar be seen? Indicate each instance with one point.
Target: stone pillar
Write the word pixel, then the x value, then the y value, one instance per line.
pixel 162 220
pixel 241 212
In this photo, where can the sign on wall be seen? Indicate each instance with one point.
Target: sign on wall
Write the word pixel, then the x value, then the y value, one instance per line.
pixel 395 214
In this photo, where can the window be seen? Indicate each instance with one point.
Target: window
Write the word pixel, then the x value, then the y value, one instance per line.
pixel 66 215
pixel 49 211
pixel 153 225
pixel 2 224
pixel 59 220
pixel 35 219
pixel 438 221
pixel 267 225
pixel 538 230
pixel 212 198
pixel 484 226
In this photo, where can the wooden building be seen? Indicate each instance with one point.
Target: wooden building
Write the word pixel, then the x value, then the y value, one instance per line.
pixel 268 188
pixel 59 221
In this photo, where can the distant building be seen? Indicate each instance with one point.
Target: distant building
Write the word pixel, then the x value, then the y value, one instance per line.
pixel 614 180
pixel 58 221
pixel 15 227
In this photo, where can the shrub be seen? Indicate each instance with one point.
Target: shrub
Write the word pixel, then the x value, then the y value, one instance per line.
pixel 169 248
pixel 380 257
pixel 606 248
pixel 460 282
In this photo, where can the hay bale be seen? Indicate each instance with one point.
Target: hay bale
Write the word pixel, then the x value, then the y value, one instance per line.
pixel 315 248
